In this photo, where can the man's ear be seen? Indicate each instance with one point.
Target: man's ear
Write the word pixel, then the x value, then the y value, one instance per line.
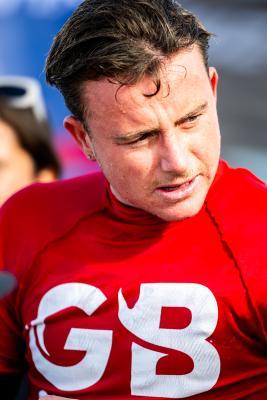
pixel 80 135
pixel 214 78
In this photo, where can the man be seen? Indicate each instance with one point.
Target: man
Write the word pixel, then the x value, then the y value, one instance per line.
pixel 146 280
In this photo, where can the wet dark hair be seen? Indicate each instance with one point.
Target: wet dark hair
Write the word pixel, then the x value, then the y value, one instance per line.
pixel 33 135
pixel 122 40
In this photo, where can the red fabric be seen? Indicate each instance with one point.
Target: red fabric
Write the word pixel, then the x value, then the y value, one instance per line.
pixel 77 232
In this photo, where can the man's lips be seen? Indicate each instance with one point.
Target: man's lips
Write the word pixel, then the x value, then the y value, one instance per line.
pixel 178 191
pixel 174 186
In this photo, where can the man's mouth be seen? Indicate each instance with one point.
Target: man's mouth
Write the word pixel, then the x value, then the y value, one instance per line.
pixel 170 188
pixel 178 191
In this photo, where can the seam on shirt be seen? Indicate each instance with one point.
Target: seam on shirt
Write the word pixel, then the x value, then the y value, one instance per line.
pixel 232 256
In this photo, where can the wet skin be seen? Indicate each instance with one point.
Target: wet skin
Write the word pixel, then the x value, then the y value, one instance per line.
pixel 159 153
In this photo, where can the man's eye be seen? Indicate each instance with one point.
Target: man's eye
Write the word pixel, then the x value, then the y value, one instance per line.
pixel 142 138
pixel 193 118
pixel 190 121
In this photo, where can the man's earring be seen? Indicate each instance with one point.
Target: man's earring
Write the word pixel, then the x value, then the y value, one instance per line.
pixel 90 156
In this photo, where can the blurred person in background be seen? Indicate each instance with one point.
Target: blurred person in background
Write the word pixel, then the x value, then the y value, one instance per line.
pixel 26 150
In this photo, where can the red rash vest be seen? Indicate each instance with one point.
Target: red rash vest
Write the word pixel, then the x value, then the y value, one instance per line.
pixel 114 303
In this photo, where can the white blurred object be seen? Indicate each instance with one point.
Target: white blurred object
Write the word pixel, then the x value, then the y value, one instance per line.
pixel 23 92
pixel 42 393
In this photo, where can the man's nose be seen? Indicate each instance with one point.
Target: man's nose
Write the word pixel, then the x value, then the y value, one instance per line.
pixel 174 152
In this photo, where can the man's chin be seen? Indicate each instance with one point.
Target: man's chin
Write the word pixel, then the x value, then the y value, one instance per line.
pixel 179 212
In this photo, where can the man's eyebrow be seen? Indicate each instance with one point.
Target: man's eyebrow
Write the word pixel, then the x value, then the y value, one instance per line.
pixel 198 109
pixel 132 136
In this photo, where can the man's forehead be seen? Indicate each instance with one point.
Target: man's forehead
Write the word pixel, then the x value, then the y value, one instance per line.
pixel 173 75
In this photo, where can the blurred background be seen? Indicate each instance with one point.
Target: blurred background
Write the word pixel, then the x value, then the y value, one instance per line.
pixel 238 51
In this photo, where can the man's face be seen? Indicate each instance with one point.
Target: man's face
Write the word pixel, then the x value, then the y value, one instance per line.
pixel 159 153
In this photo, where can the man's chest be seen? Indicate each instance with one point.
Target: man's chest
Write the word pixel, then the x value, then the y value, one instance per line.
pixel 162 320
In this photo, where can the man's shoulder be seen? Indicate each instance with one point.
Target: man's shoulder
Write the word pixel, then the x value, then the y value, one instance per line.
pixel 41 213
pixel 239 191
pixel 237 205
pixel 66 198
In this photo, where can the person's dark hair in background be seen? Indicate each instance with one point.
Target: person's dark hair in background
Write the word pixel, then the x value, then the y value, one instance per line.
pixel 110 39
pixel 24 127
pixel 34 136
